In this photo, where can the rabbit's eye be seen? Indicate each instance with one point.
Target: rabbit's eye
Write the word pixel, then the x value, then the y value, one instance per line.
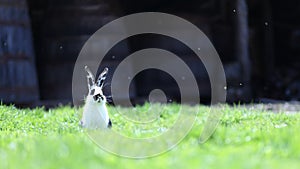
pixel 96 97
pixel 92 92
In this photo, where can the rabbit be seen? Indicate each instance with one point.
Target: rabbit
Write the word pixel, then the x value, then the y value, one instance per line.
pixel 95 114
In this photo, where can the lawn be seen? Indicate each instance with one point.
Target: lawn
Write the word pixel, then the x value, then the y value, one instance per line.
pixel 246 137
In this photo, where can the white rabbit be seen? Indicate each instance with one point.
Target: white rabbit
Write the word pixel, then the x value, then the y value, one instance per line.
pixel 95 115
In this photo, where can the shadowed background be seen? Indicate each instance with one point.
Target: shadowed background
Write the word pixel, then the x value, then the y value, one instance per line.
pixel 258 43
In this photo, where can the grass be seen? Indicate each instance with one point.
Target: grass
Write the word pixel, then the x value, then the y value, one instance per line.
pixel 245 138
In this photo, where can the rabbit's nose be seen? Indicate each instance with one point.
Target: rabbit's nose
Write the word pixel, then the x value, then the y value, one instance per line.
pixel 101 97
pixel 98 97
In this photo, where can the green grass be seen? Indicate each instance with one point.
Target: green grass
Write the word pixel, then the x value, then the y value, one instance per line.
pixel 245 138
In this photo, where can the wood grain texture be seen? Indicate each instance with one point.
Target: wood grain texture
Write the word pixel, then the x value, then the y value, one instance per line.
pixel 18 79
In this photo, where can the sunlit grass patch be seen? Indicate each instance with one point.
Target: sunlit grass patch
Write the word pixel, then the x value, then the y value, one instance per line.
pixel 244 138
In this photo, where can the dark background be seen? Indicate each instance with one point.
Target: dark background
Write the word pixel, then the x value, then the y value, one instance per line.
pixel 257 40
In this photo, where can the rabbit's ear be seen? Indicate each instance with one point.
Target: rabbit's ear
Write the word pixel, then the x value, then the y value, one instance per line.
pixel 102 77
pixel 90 78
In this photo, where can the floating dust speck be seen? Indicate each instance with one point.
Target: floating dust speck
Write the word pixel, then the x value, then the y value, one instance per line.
pixel 266 24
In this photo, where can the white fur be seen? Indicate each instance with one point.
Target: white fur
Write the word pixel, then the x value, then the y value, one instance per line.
pixel 95 115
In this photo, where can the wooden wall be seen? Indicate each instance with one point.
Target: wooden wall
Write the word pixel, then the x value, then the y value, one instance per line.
pixel 62 26
pixel 18 80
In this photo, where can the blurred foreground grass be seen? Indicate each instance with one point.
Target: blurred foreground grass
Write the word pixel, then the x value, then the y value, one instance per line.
pixel 245 138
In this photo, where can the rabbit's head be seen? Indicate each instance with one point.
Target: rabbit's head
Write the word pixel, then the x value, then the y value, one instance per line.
pixel 95 88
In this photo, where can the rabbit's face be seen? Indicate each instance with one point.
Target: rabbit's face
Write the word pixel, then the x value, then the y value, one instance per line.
pixel 97 94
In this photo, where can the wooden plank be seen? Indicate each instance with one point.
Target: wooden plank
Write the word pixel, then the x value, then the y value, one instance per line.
pixel 63 28
pixel 71 10
pixel 15 40
pixel 18 79
pixel 7 57
pixel 76 2
pixel 17 3
pixel 18 82
pixel 83 25
pixel 14 13
pixel 67 48
pixel 19 95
